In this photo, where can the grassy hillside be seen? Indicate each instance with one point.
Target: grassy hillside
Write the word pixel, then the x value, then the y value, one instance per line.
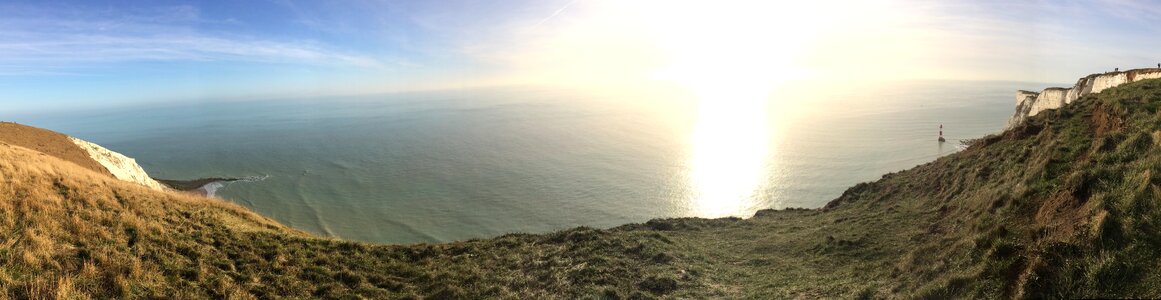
pixel 49 142
pixel 1062 206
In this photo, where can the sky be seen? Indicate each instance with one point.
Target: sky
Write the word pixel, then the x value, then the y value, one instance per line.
pixel 60 55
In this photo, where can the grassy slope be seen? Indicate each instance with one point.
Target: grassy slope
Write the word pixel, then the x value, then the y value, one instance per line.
pixel 1062 206
pixel 49 142
pixel 67 232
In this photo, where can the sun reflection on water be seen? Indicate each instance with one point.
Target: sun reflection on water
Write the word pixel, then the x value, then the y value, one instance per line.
pixel 730 144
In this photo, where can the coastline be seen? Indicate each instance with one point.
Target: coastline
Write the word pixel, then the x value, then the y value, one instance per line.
pixel 202 186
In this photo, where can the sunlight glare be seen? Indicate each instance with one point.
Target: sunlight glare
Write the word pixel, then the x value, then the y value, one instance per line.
pixel 730 143
pixel 731 54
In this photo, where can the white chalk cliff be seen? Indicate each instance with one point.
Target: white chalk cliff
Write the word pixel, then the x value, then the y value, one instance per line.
pixel 122 167
pixel 1031 103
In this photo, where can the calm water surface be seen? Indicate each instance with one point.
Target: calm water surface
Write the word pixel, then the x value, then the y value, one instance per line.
pixel 453 165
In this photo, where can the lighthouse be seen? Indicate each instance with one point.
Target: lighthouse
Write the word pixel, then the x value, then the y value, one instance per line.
pixel 941 134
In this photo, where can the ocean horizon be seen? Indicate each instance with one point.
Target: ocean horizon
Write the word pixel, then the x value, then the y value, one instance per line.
pixel 450 165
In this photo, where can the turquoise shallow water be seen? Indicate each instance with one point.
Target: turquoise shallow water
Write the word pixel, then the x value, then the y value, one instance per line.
pixel 453 165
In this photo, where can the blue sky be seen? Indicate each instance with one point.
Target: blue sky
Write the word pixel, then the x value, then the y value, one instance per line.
pixel 58 55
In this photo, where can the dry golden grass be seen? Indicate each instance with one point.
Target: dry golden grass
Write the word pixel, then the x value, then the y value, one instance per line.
pixel 48 142
pixel 51 211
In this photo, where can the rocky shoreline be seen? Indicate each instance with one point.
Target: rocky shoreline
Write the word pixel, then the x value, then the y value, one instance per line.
pixel 198 186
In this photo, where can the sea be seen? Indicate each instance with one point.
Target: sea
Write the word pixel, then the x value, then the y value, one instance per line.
pixel 459 164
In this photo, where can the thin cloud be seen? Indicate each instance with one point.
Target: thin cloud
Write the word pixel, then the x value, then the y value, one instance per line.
pixel 553 15
pixel 30 37
pixel 1140 12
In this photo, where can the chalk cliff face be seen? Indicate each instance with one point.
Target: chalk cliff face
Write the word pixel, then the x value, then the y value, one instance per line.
pixel 1031 103
pixel 1050 98
pixel 122 167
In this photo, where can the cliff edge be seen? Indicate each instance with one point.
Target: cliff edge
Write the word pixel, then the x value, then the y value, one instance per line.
pixel 122 167
pixel 1031 103
pixel 88 155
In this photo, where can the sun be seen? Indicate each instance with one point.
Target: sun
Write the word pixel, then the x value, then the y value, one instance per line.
pixel 727 45
pixel 731 54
